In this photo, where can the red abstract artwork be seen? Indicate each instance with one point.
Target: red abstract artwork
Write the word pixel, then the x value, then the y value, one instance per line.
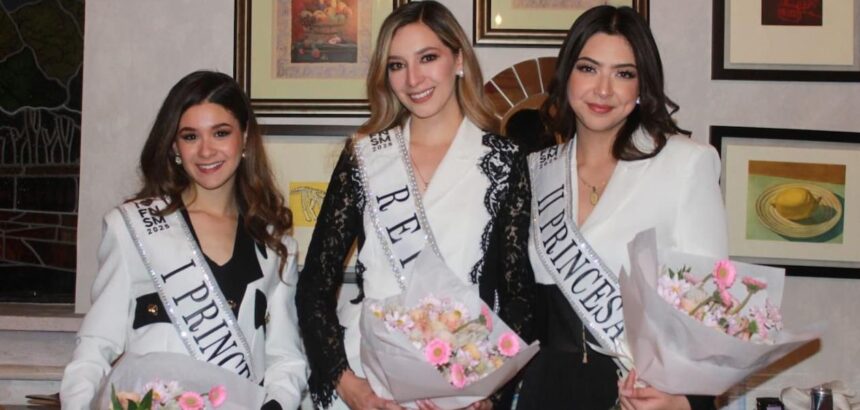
pixel 791 12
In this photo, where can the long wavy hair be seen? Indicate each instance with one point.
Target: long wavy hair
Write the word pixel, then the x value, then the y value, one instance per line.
pixel 386 111
pixel 264 214
pixel 655 109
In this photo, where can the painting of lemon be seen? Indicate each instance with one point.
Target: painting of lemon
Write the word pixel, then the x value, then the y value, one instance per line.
pixel 797 202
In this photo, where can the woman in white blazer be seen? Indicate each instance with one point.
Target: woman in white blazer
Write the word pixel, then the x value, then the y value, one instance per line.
pixel 208 201
pixel 624 166
pixel 428 121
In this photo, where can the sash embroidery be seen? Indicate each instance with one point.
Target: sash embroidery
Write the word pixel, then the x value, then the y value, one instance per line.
pixel 588 285
pixel 398 213
pixel 187 289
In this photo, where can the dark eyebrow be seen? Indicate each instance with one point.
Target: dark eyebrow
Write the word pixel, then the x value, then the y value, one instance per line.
pixel 192 129
pixel 419 52
pixel 595 62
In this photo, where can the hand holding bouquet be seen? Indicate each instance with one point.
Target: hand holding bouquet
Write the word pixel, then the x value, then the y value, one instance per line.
pixel 437 340
pixel 687 335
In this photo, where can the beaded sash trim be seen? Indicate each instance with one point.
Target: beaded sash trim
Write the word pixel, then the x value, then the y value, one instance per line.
pixel 586 282
pixel 185 284
pixel 398 213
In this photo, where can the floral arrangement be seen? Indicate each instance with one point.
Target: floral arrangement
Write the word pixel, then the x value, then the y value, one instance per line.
pixel 167 396
pixel 459 347
pixel 711 301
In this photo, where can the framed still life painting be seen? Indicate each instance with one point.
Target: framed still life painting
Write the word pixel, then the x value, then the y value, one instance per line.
pixel 307 57
pixel 792 198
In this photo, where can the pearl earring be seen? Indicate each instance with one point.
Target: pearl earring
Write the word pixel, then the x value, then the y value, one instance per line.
pixel 638 100
pixel 460 73
pixel 177 159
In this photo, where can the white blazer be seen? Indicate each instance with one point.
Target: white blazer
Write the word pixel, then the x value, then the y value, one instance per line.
pixel 677 192
pixel 108 330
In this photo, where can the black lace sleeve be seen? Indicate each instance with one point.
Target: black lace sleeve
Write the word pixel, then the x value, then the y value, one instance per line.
pixel 507 255
pixel 507 264
pixel 338 224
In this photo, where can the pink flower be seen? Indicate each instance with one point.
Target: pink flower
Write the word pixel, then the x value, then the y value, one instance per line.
pixel 458 376
pixel 724 274
pixel 437 352
pixel 488 317
pixel 726 298
pixel 190 401
pixel 218 395
pixel 692 279
pixel 753 285
pixel 509 344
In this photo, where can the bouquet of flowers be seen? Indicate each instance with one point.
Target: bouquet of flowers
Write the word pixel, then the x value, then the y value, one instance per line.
pixel 148 381
pixel 690 328
pixel 710 301
pixel 167 396
pixel 451 349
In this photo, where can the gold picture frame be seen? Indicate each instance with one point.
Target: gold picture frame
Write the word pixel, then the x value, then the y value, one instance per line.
pixel 295 60
pixel 536 23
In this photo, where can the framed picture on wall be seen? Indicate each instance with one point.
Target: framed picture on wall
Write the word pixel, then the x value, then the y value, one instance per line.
pixel 305 57
pixel 782 40
pixel 540 23
pixel 792 198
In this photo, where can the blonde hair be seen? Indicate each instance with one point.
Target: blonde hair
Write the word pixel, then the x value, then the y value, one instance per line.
pixel 386 111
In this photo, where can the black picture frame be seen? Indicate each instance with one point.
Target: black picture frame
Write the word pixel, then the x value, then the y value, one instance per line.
pixel 721 136
pixel 720 70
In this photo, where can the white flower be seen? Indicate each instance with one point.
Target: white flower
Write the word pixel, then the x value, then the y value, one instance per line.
pixel 671 289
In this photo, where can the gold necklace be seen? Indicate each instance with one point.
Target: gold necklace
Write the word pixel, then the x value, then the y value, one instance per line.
pixel 594 196
pixel 426 181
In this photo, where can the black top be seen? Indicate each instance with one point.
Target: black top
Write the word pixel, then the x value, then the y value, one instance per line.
pixel 243 267
pixel 505 265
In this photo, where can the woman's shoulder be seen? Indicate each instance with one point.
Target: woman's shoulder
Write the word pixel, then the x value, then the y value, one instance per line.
pixel 683 144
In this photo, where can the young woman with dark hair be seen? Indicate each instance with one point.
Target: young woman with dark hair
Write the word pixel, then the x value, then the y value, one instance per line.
pixel 199 261
pixel 622 166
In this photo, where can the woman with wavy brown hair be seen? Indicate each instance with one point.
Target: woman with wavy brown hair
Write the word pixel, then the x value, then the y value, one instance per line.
pixel 431 147
pixel 199 261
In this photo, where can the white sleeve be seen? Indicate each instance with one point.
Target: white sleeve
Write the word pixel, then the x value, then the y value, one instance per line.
pixel 102 336
pixel 701 222
pixel 286 364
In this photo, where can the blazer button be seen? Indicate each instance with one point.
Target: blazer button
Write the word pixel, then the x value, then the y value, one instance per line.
pixel 152 308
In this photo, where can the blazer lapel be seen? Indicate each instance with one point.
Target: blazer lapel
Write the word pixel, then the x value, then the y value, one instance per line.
pixel 457 163
pixel 622 185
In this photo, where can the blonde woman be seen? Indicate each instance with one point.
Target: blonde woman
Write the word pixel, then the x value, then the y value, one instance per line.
pixel 426 168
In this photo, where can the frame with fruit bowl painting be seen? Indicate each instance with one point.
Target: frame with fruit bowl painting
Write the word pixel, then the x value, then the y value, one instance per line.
pixel 792 198
pixel 306 58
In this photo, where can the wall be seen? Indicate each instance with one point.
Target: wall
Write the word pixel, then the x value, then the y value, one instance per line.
pixel 134 51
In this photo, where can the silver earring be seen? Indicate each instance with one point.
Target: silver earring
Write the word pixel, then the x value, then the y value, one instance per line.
pixel 460 73
pixel 638 100
pixel 177 159
pixel 243 153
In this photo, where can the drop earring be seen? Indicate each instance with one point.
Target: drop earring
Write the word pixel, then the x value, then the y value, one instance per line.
pixel 638 100
pixel 177 159
pixel 243 153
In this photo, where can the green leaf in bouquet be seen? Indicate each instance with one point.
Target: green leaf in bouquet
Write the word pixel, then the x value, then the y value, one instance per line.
pixel 146 402
pixel 115 404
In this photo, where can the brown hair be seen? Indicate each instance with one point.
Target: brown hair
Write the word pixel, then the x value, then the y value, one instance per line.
pixel 653 113
pixel 386 111
pixel 265 216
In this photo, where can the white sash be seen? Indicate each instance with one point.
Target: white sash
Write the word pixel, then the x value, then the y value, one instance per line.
pixel 187 289
pixel 397 212
pixel 588 285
